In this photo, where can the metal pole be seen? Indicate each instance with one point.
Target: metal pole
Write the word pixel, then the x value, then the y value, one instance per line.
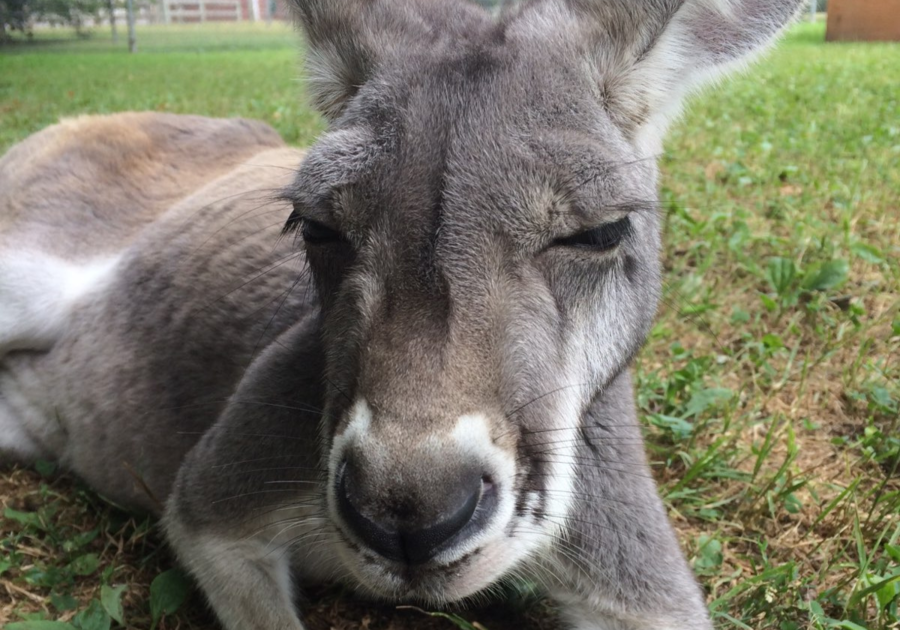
pixel 111 7
pixel 813 5
pixel 132 40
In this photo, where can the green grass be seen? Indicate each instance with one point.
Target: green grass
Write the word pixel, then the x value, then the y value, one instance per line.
pixel 771 382
pixel 208 37
pixel 770 386
pixel 244 70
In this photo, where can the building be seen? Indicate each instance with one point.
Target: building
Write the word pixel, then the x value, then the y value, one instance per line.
pixel 863 20
pixel 187 11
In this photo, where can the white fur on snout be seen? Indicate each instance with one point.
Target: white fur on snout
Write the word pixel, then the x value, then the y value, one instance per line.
pixel 472 434
pixel 357 431
pixel 357 434
pixel 472 442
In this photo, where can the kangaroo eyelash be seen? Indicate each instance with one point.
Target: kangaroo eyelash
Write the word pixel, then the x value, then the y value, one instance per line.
pixel 601 238
pixel 293 223
pixel 315 233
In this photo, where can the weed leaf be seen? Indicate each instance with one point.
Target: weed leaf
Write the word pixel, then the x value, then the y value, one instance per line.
pixel 79 540
pixel 63 601
pixel 869 253
pixel 680 428
pixel 893 551
pixel 705 398
pixel 111 599
pixel 85 565
pixel 885 591
pixel 768 302
pixel 709 555
pixel 826 276
pixel 45 468
pixel 167 593
pixel 781 273
pixel 92 618
pixel 28 519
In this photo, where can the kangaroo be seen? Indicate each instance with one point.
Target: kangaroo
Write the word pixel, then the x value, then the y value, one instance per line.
pixel 401 359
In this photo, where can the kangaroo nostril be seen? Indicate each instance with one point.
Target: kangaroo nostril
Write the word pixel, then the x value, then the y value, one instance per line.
pixel 383 540
pixel 420 545
pixel 398 532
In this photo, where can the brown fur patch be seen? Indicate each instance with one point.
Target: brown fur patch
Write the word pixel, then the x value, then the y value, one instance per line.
pixel 89 184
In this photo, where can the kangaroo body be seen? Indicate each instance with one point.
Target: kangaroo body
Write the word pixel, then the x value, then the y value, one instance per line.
pixel 399 360
pixel 108 223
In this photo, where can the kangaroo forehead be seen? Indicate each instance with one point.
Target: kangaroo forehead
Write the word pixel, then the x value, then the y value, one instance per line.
pixel 361 175
pixel 469 108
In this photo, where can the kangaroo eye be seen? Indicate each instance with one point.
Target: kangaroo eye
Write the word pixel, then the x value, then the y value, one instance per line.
pixel 601 238
pixel 315 233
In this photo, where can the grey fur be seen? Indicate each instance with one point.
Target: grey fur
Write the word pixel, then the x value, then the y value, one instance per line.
pixel 447 330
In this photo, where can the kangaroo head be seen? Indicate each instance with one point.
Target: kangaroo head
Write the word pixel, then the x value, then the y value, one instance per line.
pixel 481 225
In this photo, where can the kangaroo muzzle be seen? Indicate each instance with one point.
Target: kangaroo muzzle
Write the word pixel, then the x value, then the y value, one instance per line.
pixel 411 523
pixel 422 497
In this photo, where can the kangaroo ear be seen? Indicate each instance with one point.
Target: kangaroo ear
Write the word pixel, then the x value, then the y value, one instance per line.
pixel 348 40
pixel 648 55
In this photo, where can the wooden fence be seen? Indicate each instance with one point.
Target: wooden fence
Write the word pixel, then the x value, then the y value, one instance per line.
pixel 204 11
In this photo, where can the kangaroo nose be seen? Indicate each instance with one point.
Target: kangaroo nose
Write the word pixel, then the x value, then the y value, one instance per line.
pixel 393 525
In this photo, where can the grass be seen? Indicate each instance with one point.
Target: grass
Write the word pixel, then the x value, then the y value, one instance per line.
pixel 243 70
pixel 193 38
pixel 770 387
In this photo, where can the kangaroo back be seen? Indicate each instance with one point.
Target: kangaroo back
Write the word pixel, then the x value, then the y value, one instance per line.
pixel 87 185
pixel 75 195
pixel 130 310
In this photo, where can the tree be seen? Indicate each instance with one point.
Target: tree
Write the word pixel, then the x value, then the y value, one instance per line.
pixel 19 14
pixel 111 9
pixel 15 15
pixel 71 12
